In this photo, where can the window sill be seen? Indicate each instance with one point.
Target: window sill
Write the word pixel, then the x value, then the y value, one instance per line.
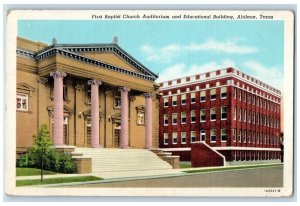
pixel 223 140
pixel 224 119
pixel 202 121
pixel 212 120
pixel 23 111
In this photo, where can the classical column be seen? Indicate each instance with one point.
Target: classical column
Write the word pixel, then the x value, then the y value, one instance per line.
pixel 148 142
pixel 58 107
pixel 95 112
pixel 124 117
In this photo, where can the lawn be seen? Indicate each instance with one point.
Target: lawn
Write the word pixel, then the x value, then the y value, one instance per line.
pixel 230 168
pixel 185 165
pixel 32 171
pixel 56 180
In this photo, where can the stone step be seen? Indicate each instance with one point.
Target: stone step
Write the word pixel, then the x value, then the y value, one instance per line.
pixel 105 160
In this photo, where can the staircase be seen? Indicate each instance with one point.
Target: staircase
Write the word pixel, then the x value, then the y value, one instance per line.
pixel 118 160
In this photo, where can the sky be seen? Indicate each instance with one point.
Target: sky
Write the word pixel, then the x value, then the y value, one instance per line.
pixel 176 49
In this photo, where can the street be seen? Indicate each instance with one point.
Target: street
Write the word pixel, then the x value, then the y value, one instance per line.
pixel 256 177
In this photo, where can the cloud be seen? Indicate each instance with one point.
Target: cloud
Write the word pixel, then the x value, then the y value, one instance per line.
pixel 169 52
pixel 182 70
pixel 270 75
pixel 164 54
pixel 229 46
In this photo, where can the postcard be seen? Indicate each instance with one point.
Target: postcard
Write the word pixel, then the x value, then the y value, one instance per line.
pixel 149 103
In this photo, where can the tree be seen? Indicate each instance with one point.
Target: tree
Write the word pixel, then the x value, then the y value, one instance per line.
pixel 42 146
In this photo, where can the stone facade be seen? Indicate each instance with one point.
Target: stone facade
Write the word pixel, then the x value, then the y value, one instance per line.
pixel 233 112
pixel 81 87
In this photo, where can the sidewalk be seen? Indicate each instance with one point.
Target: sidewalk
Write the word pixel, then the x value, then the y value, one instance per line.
pixel 135 175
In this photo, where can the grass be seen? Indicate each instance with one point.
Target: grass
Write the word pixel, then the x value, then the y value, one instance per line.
pixel 185 165
pixel 229 168
pixel 32 171
pixel 56 180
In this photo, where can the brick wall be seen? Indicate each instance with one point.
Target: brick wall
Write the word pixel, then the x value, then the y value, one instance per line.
pixel 204 156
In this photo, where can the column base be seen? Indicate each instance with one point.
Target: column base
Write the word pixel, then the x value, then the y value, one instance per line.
pixel 124 147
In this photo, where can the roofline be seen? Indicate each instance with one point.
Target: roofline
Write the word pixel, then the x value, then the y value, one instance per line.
pixel 234 69
pixel 63 46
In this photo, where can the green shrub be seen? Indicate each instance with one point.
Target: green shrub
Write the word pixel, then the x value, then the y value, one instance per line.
pixel 52 160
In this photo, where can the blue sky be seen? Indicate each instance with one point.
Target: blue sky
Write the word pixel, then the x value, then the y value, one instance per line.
pixel 179 48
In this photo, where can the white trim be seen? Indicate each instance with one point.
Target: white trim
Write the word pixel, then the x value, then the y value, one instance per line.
pixel 225 76
pixel 176 149
pixel 222 148
pixel 247 148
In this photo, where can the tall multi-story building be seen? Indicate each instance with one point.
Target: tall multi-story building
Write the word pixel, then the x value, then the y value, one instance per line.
pixel 232 112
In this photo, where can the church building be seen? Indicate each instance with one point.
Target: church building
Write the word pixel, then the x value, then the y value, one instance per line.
pixel 89 95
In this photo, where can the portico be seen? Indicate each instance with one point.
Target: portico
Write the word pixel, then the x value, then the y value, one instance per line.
pixel 94 96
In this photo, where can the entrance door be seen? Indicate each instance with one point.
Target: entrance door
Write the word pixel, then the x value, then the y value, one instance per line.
pixel 88 133
pixel 117 135
pixel 65 130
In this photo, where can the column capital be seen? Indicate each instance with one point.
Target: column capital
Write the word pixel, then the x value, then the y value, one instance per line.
pixel 42 80
pixel 124 89
pixel 148 95
pixel 94 82
pixel 58 74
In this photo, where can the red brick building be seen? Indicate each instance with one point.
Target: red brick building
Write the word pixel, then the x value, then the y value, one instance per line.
pixel 232 112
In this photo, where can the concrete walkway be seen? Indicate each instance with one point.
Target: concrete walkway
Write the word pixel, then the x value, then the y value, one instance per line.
pixel 110 176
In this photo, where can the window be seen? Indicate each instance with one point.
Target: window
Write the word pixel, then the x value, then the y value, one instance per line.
pixel 202 135
pixel 213 115
pixel 193 136
pixel 166 139
pixel 253 117
pixel 141 118
pixel 193 116
pixel 240 95
pixel 257 119
pixel 253 99
pixel 249 98
pixel 202 115
pixel 234 113
pixel 245 136
pixel 183 137
pixel 213 95
pixel 240 135
pixel 183 99
pixel 166 121
pixel 174 101
pixel 249 136
pixel 223 92
pixel 234 93
pixel 213 135
pixel 22 102
pixel 174 118
pixel 234 135
pixel 249 117
pixel 245 96
pixel 117 102
pixel 223 135
pixel 174 138
pixel 202 96
pixel 166 102
pixel 223 113
pixel 193 98
pixel 183 117
pixel 240 114
pixel 245 116
pixel 253 135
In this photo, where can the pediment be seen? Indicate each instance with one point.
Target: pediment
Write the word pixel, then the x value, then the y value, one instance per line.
pixel 25 87
pixel 67 110
pixel 141 108
pixel 87 113
pixel 111 58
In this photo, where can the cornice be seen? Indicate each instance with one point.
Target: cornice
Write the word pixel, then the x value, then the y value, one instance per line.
pixel 58 51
